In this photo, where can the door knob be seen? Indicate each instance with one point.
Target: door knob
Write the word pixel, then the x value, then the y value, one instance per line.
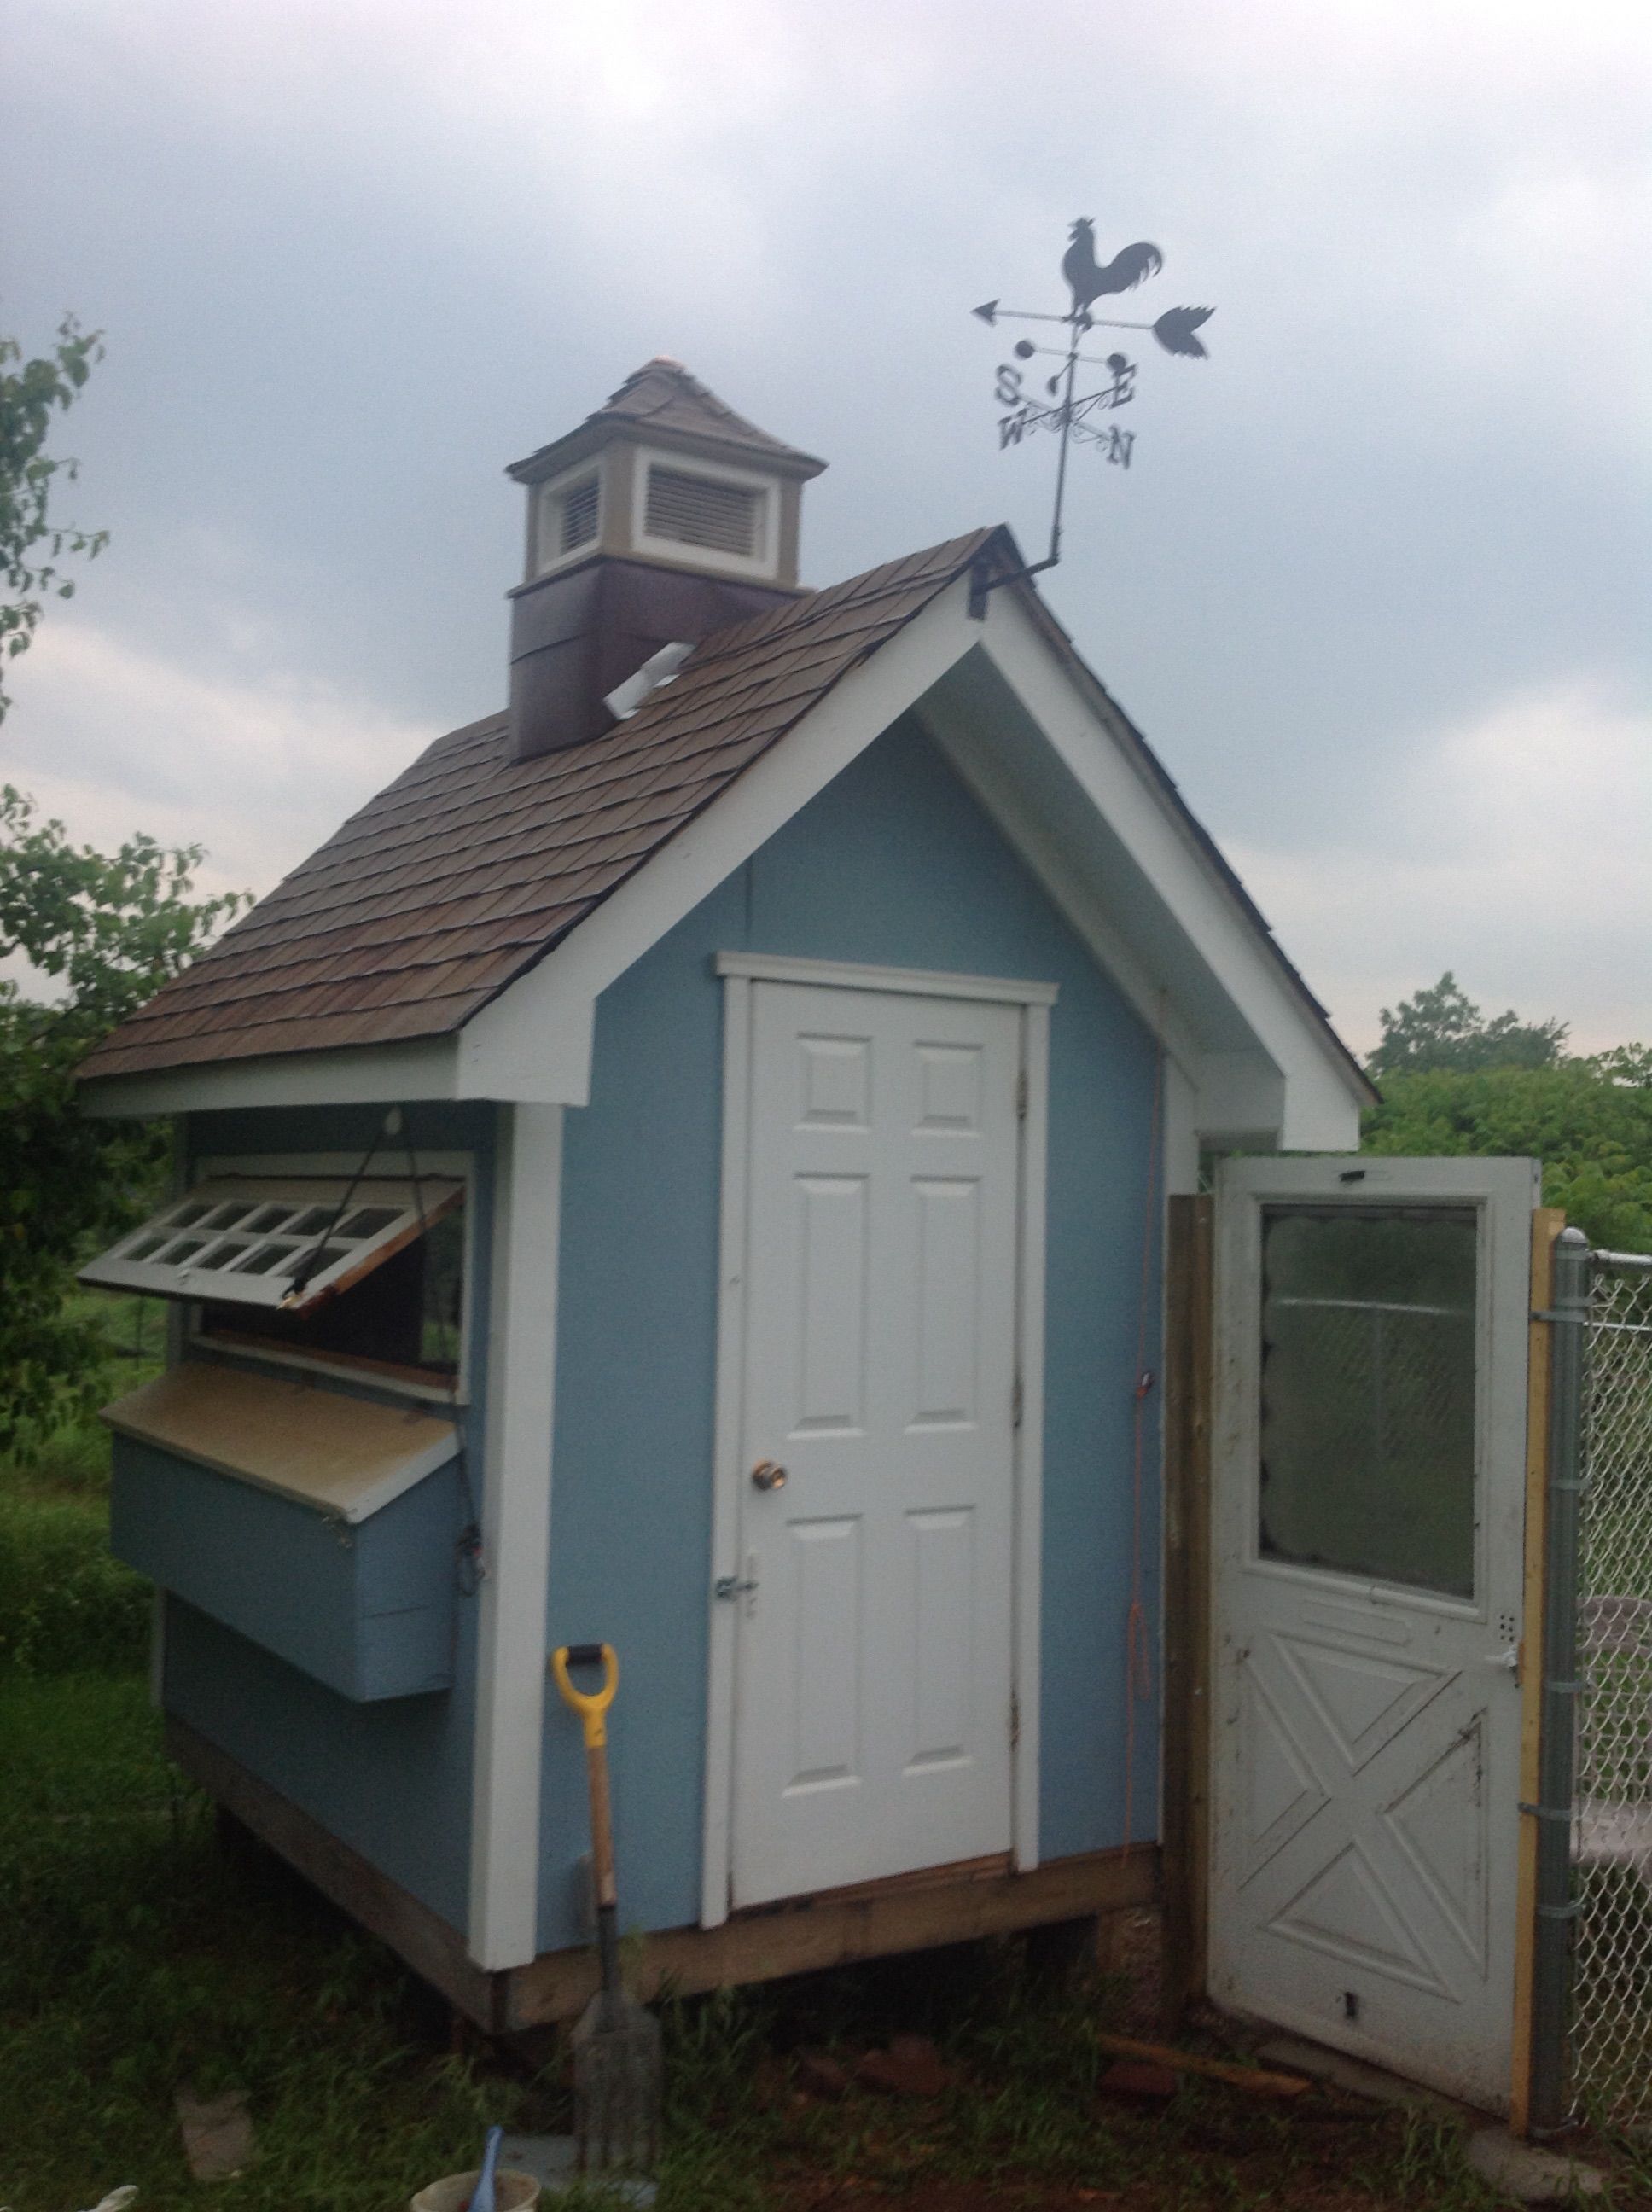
pixel 767 1474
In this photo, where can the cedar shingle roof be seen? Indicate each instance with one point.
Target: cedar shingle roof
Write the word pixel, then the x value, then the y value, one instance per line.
pixel 470 866
pixel 662 399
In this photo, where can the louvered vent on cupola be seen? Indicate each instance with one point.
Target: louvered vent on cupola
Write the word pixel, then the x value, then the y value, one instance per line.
pixel 579 508
pixel 703 510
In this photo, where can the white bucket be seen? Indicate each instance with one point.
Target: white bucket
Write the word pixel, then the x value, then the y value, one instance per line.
pixel 513 2191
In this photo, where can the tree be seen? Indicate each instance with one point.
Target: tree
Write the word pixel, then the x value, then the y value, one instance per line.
pixel 108 930
pixel 31 542
pixel 1443 1029
pixel 1589 1120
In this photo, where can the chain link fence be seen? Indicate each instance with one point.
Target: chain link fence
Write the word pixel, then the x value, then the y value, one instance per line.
pixel 1611 1820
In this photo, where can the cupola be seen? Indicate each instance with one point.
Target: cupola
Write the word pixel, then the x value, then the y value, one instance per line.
pixel 663 517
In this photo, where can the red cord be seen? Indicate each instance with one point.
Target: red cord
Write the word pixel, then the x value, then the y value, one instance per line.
pixel 1138 1651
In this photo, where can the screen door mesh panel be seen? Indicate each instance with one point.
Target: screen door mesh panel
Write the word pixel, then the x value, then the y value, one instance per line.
pixel 724 518
pixel 1612 1827
pixel 277 1241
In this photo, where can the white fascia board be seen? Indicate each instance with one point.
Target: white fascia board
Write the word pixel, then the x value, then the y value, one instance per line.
pixel 534 1041
pixel 361 1075
pixel 1322 1099
pixel 991 780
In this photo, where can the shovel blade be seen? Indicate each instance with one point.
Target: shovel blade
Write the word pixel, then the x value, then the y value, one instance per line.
pixel 618 2075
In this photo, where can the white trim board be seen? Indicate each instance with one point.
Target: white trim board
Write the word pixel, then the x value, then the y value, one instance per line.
pixel 909 982
pixel 510 1693
pixel 739 972
pixel 355 1075
pixel 1322 1095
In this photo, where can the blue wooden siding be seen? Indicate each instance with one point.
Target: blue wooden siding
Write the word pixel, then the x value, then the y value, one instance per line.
pixel 392 1779
pixel 368 1610
pixel 893 864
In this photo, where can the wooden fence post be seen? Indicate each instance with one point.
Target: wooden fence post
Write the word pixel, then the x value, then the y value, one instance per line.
pixel 1187 1367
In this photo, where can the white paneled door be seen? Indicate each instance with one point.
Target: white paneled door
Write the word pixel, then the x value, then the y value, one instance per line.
pixel 1368 1483
pixel 873 1669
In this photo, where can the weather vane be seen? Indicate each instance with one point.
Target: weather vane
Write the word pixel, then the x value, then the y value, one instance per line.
pixel 1061 410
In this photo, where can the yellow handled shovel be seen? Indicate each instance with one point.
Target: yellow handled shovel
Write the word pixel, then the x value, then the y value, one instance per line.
pixel 617 2056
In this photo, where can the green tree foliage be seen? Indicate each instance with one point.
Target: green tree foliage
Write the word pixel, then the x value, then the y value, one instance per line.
pixel 1455 1084
pixel 1442 1027
pixel 31 542
pixel 107 931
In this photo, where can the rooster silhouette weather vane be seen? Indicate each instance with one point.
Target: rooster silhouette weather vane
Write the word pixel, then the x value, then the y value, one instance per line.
pixel 1061 410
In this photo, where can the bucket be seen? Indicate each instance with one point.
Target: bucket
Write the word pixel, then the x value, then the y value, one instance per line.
pixel 513 2191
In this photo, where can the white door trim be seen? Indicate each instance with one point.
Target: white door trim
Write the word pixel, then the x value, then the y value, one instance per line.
pixel 910 982
pixel 739 971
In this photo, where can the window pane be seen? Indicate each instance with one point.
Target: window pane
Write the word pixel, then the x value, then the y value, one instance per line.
pixel 1368 1394
pixel 224 1217
pixel 368 1220
pixel 311 1221
pixel 267 1257
pixel 266 1219
pixel 225 1253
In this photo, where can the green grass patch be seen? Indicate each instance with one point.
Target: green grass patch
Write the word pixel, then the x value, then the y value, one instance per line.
pixel 139 1958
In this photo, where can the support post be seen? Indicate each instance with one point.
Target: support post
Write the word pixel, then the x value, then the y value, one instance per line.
pixel 1185 1808
pixel 1556 1911
pixel 1547 1222
pixel 510 1690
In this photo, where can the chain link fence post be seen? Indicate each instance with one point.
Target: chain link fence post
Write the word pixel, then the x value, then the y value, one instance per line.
pixel 1557 1909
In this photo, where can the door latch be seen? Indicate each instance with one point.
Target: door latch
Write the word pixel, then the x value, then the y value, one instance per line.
pixel 733 1586
pixel 1509 1660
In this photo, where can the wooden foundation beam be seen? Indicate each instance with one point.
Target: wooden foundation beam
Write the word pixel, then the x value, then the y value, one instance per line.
pixel 422 1938
pixel 877 1920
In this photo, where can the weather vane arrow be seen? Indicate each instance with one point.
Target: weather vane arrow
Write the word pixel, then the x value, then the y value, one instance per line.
pixel 1063 410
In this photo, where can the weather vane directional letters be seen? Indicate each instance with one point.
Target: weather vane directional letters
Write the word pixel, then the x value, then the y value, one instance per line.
pixel 1062 410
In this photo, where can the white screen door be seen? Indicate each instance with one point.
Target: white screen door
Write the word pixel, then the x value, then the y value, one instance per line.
pixel 1368 1481
pixel 873 1662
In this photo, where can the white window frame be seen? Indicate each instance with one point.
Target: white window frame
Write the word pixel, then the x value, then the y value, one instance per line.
pixel 547 497
pixel 764 565
pixel 446 1167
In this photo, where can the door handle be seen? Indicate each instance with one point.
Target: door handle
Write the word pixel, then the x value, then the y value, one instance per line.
pixel 768 1475
pixel 1509 1660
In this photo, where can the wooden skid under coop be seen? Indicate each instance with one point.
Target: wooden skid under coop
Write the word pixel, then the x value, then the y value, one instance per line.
pixel 952 1905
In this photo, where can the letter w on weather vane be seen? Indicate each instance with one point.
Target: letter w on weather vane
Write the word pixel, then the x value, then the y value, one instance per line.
pixel 1060 408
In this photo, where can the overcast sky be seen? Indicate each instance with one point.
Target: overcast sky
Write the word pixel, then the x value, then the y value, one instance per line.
pixel 1376 586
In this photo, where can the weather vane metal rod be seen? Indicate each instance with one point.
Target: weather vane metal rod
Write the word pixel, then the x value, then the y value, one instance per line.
pixel 1062 411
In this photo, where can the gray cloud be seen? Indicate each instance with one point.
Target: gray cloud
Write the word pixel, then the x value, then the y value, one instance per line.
pixel 1390 538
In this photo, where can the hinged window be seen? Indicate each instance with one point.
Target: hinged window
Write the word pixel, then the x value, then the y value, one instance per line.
pixel 697 510
pixel 282 1244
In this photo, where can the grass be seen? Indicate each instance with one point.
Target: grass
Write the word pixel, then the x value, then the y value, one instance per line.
pixel 140 1958
pixel 137 1958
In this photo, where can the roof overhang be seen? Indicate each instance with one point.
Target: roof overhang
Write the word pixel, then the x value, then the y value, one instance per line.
pixel 1030 731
